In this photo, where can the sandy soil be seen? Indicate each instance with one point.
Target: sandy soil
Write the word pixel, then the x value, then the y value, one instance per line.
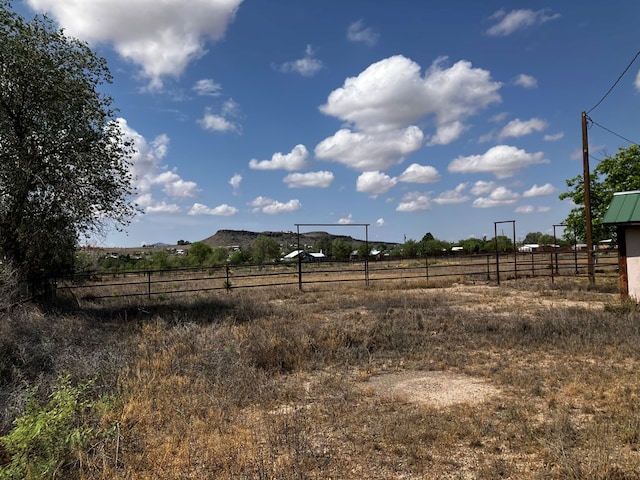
pixel 436 388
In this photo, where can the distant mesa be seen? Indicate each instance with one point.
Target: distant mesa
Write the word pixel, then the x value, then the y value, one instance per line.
pixel 245 239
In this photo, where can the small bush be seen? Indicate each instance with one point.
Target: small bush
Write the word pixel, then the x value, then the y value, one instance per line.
pixel 45 437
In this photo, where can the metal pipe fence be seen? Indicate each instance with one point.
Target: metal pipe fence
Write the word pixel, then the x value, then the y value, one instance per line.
pixel 478 267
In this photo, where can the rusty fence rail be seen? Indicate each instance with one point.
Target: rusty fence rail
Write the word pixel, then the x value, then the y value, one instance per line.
pixel 479 267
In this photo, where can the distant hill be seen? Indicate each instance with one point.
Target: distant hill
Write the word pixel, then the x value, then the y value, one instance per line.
pixel 245 239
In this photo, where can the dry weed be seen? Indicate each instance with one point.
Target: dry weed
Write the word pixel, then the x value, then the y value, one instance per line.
pixel 278 383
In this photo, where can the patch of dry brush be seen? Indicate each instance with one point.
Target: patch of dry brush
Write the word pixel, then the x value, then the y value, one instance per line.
pixel 277 383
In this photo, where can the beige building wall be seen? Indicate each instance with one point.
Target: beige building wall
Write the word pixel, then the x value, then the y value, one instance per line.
pixel 632 237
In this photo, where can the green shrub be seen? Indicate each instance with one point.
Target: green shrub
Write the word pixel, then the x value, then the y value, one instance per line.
pixel 45 437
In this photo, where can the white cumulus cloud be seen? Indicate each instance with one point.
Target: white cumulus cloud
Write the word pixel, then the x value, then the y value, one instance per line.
pixel 151 205
pixel 223 210
pixel 235 182
pixel 482 187
pixel 151 177
pixel 526 209
pixel 526 81
pixel 217 123
pixel 306 66
pixel 392 93
pixel 346 220
pixel 381 106
pixel 370 151
pixel 502 160
pixel 207 87
pixel 554 137
pixel 274 207
pixel 224 121
pixel 295 160
pixel 161 39
pixel 358 33
pixel 519 128
pixel 416 173
pixel 375 183
pixel 539 191
pixel 515 20
pixel 309 179
pixel 453 197
pixel 414 202
pixel 499 197
pixel 448 133
pixel 174 186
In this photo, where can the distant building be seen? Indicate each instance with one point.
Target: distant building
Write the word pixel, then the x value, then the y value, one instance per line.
pixel 529 247
pixel 308 256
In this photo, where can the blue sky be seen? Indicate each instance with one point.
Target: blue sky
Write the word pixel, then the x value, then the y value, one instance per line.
pixel 411 116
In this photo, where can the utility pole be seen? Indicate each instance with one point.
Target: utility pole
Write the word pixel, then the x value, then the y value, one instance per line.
pixel 587 198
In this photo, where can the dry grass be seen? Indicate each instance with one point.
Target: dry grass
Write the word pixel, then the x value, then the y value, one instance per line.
pixel 277 383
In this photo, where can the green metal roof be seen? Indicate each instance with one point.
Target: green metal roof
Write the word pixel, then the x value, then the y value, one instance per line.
pixel 623 209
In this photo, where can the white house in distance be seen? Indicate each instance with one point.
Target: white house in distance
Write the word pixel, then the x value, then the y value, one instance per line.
pixel 624 213
pixel 313 256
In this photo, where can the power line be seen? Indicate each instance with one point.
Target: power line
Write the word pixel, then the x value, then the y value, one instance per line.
pixel 611 131
pixel 615 83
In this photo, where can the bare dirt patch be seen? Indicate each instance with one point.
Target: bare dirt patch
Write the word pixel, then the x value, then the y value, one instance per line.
pixel 436 388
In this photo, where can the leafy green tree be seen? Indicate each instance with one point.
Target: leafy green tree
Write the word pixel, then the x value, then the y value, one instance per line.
pixel 546 239
pixel 364 250
pixel 265 249
pixel 199 252
pixel 428 237
pixel 161 260
pixel 433 247
pixel 324 245
pixel 618 173
pixel 473 245
pixel 219 255
pixel 410 249
pixel 532 237
pixel 237 257
pixel 341 249
pixel 505 244
pixel 64 169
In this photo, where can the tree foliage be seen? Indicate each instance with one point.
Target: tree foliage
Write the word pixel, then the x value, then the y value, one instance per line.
pixel 341 249
pixel 64 168
pixel 324 245
pixel 265 249
pixel 532 237
pixel 410 248
pixel 618 173
pixel 199 252
pixel 219 255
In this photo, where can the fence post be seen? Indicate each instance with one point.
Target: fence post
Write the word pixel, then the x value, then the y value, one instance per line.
pixel 488 268
pixel 533 264
pixel 149 284
pixel 552 268
pixel 426 265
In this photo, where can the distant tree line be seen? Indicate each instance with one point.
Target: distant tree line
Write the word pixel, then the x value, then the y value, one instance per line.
pixel 267 250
